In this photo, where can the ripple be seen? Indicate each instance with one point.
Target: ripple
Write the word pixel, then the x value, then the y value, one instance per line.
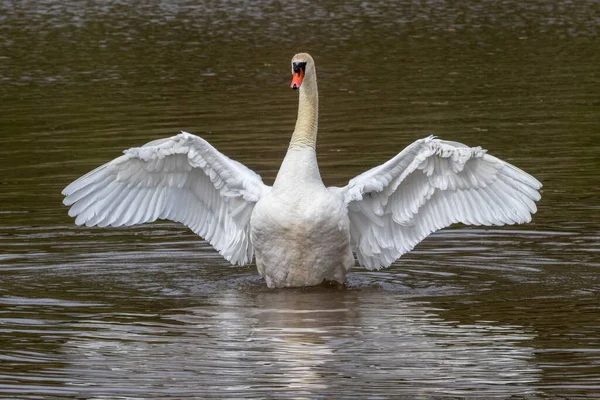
pixel 154 312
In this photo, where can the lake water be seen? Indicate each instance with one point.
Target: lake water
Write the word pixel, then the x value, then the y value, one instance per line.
pixel 153 312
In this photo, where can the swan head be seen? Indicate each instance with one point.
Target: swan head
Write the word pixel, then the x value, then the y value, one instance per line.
pixel 302 65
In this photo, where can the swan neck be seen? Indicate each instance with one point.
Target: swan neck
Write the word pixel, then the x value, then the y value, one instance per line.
pixel 305 132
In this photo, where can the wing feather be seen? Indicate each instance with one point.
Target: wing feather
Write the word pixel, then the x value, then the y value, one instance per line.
pixel 428 186
pixel 182 178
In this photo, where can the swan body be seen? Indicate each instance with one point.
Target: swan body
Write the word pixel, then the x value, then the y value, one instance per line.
pixel 300 229
pixel 301 232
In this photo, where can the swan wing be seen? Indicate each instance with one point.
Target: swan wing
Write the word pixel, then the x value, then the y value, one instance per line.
pixel 182 178
pixel 428 186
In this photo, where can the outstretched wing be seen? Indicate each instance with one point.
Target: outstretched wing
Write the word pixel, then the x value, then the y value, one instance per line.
pixel 182 178
pixel 428 186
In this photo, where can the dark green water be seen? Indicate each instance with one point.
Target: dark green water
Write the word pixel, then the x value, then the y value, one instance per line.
pixel 154 312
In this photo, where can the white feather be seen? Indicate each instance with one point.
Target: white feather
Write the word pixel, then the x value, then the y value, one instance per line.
pixel 182 178
pixel 430 185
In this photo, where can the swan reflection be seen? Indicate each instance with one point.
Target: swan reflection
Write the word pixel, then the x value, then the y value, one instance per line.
pixel 306 343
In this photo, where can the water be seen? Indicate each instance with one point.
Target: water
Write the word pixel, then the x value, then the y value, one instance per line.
pixel 153 312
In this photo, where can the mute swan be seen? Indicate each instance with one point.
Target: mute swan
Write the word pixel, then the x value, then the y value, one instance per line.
pixel 301 232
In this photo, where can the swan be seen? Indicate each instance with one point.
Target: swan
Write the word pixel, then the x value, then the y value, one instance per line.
pixel 301 232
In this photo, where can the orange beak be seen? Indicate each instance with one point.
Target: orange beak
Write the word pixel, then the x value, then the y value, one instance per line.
pixel 297 79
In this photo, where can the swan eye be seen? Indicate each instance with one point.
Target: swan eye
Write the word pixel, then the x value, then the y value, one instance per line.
pixel 298 66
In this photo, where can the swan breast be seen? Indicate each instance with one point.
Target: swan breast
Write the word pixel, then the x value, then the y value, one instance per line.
pixel 301 239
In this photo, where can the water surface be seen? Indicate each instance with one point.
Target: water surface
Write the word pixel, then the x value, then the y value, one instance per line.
pixel 153 311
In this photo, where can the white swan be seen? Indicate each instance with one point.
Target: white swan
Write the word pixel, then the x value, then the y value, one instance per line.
pixel 301 232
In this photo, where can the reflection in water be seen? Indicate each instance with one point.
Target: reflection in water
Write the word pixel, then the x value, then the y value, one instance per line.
pixel 299 343
pixel 153 311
